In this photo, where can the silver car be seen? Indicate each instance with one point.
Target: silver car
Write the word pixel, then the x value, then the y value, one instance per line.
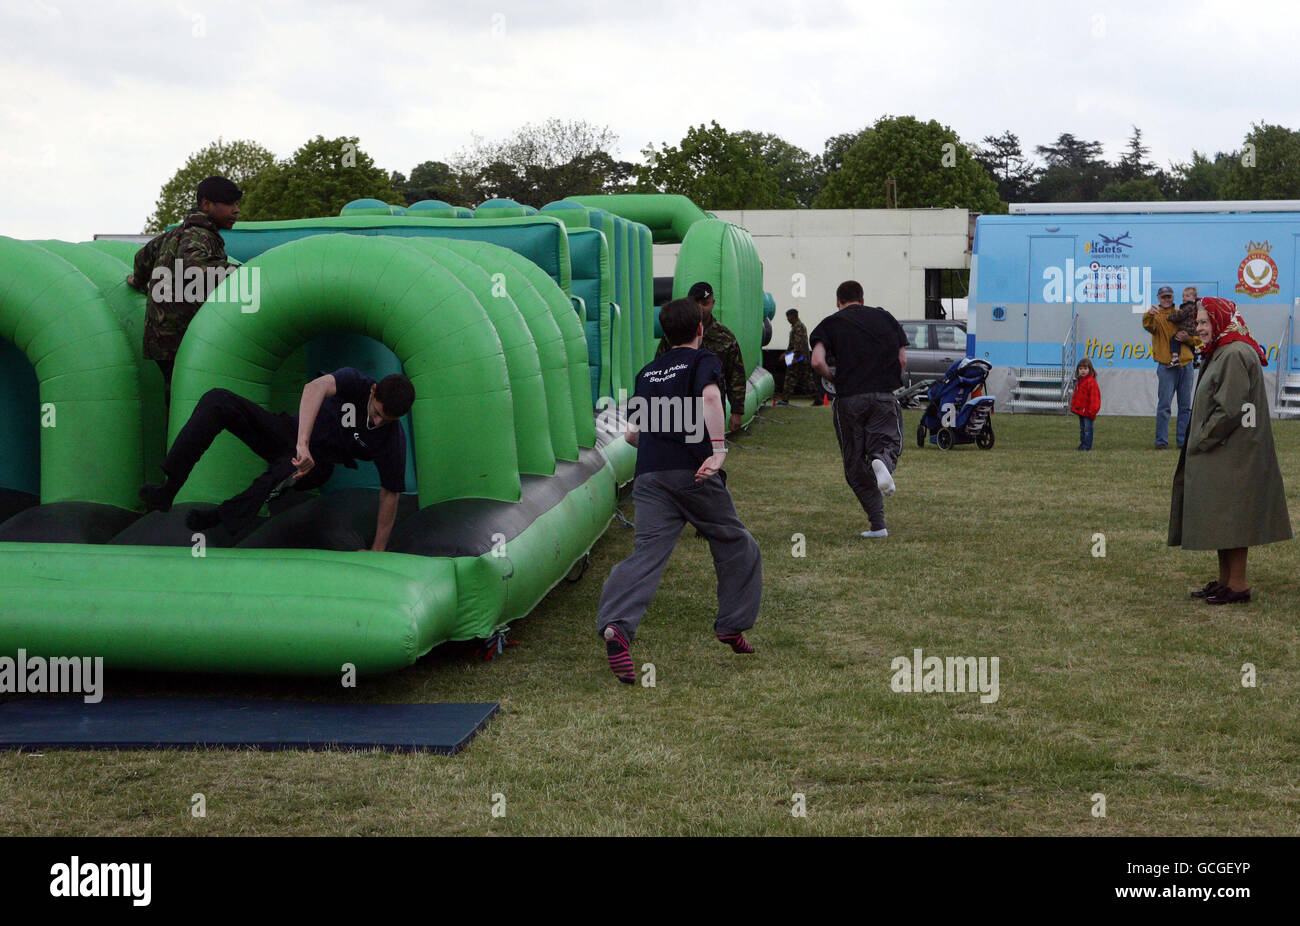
pixel 936 344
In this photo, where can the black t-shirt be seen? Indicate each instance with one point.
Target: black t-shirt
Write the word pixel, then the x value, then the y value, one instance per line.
pixel 667 409
pixel 864 341
pixel 342 432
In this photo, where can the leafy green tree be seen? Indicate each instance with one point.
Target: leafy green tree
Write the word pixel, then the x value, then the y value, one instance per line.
pixel 836 145
pixel 1006 163
pixel 323 176
pixel 239 161
pixel 1075 171
pixel 1133 164
pixel 1137 190
pixel 716 169
pixel 1070 152
pixel 497 180
pixel 430 180
pixel 798 173
pixel 1202 178
pixel 542 162
pixel 1134 178
pixel 593 173
pixel 1268 166
pixel 928 162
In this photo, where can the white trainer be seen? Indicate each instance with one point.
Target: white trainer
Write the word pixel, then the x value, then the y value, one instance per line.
pixel 884 481
pixel 883 532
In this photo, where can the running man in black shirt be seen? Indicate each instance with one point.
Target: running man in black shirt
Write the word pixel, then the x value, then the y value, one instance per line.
pixel 344 416
pixel 869 348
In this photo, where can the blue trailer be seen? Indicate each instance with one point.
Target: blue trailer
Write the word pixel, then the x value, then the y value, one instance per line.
pixel 1054 282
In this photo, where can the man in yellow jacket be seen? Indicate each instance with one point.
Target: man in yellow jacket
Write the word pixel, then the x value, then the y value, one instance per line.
pixel 1171 379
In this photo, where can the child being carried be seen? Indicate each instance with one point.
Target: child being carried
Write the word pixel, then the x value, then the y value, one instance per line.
pixel 1183 319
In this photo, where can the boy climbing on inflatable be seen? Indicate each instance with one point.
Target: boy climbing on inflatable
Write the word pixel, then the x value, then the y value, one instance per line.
pixel 344 416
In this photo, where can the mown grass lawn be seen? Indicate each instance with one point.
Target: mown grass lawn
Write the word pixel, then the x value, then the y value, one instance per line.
pixel 1112 681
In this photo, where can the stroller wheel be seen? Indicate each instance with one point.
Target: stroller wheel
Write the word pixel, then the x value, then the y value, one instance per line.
pixel 921 434
pixel 984 440
pixel 944 439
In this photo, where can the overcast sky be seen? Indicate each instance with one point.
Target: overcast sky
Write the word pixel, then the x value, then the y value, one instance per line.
pixel 103 101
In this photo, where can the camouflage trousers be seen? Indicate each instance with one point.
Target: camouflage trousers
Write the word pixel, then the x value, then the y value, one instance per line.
pixel 798 380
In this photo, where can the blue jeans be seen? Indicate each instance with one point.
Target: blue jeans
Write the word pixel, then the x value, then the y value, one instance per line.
pixel 1171 381
pixel 1085 433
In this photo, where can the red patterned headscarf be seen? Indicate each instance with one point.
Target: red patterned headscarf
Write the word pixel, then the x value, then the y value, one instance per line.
pixel 1226 326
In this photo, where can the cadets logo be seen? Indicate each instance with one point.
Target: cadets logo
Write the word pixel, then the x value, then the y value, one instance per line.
pixel 1257 273
pixel 1104 245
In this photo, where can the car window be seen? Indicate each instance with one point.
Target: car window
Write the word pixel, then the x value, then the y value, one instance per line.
pixel 916 335
pixel 950 337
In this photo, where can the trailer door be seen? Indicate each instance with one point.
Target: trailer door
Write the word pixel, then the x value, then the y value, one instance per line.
pixel 1290 353
pixel 1047 311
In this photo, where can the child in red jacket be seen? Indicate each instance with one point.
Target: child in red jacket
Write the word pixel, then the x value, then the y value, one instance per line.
pixel 1086 402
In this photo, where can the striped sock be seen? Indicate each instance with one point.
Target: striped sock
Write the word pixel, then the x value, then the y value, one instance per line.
pixel 620 660
pixel 737 642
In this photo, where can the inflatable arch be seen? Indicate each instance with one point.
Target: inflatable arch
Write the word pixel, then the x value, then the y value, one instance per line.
pixel 156 605
pixel 512 324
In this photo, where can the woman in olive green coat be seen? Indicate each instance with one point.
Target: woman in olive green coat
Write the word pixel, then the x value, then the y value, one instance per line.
pixel 1228 493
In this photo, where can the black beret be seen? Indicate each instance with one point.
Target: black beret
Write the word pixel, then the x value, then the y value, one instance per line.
pixel 700 292
pixel 218 190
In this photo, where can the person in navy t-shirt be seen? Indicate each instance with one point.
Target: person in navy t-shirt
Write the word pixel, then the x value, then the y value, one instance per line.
pixel 675 421
pixel 343 417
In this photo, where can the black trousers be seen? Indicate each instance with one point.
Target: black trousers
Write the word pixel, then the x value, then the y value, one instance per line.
pixel 272 437
pixel 869 426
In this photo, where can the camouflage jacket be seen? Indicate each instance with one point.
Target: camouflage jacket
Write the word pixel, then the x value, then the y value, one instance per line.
pixel 799 342
pixel 719 339
pixel 198 247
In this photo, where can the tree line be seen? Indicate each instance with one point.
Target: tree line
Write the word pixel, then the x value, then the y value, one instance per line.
pixel 897 161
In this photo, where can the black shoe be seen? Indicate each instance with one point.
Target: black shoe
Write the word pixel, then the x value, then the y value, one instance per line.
pixel 202 519
pixel 156 497
pixel 1210 588
pixel 1225 595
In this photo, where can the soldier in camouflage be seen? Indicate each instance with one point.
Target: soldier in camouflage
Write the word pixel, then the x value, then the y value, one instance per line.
pixel 798 375
pixel 719 339
pixel 185 261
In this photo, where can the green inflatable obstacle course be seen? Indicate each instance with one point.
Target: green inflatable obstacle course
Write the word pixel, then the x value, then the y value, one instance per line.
pixel 713 251
pixel 87 373
pixel 513 324
pixel 437 209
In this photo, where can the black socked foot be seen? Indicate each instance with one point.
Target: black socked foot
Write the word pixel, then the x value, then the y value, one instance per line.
pixel 156 497
pixel 202 519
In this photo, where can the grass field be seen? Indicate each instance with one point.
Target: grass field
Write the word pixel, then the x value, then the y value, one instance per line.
pixel 1112 681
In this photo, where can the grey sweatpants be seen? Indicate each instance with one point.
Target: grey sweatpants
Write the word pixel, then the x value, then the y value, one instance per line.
pixel 869 426
pixel 665 502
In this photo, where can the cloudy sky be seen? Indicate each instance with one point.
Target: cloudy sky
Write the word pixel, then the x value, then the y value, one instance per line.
pixel 103 100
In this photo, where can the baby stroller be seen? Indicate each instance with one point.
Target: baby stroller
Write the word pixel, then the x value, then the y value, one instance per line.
pixel 958 411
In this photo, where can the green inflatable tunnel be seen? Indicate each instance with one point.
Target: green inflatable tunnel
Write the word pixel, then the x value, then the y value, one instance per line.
pixel 511 325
